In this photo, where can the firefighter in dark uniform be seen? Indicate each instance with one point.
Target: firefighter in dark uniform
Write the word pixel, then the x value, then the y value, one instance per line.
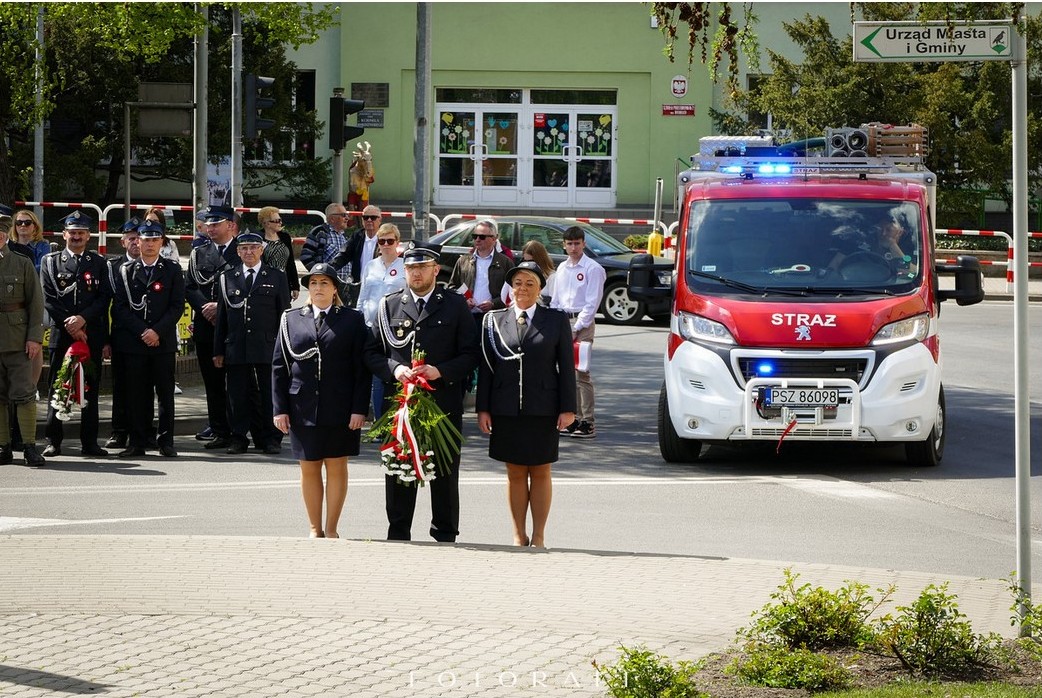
pixel 251 300
pixel 76 295
pixel 21 317
pixel 205 264
pixel 120 413
pixel 424 317
pixel 149 300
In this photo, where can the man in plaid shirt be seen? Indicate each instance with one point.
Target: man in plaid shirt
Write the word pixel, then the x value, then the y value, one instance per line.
pixel 326 240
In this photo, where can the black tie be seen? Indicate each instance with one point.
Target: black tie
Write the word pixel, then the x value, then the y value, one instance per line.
pixel 522 325
pixel 420 303
pixel 250 279
pixel 148 271
pixel 320 320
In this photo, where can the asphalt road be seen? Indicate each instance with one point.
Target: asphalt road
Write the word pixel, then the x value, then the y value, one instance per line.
pixel 842 504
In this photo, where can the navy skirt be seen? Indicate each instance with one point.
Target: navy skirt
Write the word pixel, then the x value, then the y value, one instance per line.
pixel 524 440
pixel 319 443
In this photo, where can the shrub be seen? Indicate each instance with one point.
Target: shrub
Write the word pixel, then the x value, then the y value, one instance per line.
pixel 816 618
pixel 636 242
pixel 640 673
pixel 932 638
pixel 1032 622
pixel 781 667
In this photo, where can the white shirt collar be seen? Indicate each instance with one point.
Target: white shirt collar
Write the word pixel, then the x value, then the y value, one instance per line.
pixel 315 310
pixel 256 269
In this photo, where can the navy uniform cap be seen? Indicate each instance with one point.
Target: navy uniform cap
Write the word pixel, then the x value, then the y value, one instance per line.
pixel 323 269
pixel 249 238
pixel 6 211
pixel 150 229
pixel 132 225
pixel 201 215
pixel 528 266
pixel 77 220
pixel 216 214
pixel 422 252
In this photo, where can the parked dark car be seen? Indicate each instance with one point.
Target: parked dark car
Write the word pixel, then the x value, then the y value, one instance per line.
pixel 514 231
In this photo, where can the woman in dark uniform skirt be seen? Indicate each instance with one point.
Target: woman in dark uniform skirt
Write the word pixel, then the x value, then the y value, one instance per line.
pixel 320 393
pixel 526 394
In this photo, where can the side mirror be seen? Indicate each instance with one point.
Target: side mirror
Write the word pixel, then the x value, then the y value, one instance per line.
pixel 969 282
pixel 643 283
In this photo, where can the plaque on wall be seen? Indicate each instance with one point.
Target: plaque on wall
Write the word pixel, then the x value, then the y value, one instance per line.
pixel 375 94
pixel 371 118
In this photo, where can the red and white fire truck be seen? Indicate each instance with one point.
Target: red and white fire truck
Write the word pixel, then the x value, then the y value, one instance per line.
pixel 806 296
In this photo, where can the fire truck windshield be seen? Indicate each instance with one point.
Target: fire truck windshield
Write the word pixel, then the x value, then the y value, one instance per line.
pixel 804 246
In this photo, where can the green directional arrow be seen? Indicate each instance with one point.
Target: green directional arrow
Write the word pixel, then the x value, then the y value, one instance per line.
pixel 867 42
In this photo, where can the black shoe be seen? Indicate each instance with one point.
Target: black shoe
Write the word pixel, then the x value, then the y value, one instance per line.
pixel 117 441
pixel 206 434
pixel 94 451
pixel 168 451
pixel 570 429
pixel 273 449
pixel 52 450
pixel 219 442
pixel 585 431
pixel 235 448
pixel 131 452
pixel 32 456
pixel 6 455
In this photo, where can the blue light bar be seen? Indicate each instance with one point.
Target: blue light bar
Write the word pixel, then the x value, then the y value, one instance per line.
pixel 764 368
pixel 733 169
pixel 769 168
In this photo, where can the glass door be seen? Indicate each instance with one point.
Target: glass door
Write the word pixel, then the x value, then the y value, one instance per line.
pixel 573 157
pixel 477 156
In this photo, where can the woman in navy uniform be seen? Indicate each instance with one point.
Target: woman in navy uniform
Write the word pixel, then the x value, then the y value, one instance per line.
pixel 526 393
pixel 320 392
pixel 149 300
pixel 425 318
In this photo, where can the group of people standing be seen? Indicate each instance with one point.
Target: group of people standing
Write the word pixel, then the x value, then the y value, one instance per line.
pixel 315 372
pixel 493 318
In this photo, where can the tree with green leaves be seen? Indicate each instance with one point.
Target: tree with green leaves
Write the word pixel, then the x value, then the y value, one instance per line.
pixel 96 54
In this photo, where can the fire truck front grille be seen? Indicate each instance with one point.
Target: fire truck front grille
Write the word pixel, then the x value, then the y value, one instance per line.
pixel 852 368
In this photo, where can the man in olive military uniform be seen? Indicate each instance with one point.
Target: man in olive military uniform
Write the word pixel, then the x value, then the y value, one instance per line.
pixel 251 300
pixel 76 295
pixel 21 341
pixel 424 317
pixel 149 300
pixel 205 264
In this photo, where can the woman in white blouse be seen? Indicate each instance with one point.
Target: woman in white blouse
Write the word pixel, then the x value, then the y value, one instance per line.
pixel 383 275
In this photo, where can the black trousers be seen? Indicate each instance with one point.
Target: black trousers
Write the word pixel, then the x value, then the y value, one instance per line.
pixel 151 376
pixel 213 378
pixel 249 403
pixel 120 410
pixel 54 431
pixel 401 500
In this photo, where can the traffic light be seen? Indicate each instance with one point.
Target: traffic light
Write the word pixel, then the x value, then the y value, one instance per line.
pixel 255 102
pixel 339 132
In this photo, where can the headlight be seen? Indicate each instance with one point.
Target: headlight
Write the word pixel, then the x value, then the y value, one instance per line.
pixel 912 329
pixel 696 328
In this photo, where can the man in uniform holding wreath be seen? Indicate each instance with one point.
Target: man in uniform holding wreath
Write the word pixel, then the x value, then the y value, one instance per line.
pixel 77 296
pixel 428 319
